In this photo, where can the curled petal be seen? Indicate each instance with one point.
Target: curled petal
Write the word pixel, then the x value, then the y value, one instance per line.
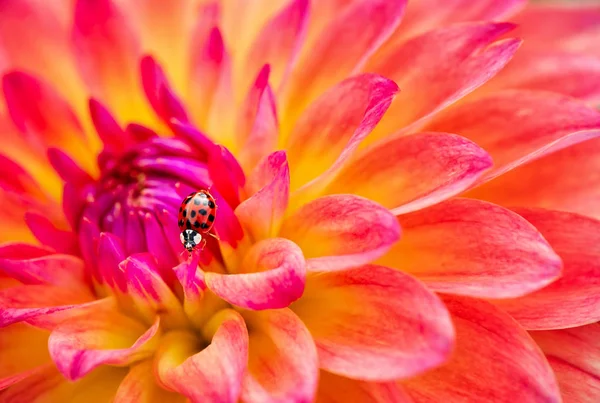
pixel 219 368
pixel 573 354
pixel 342 48
pixel 282 363
pixel 272 276
pixel 494 357
pixel 104 338
pixel 409 173
pixel 261 213
pixel 516 126
pixel 469 247
pixel 572 300
pixel 433 75
pixel 341 231
pixel 375 323
pixel 140 386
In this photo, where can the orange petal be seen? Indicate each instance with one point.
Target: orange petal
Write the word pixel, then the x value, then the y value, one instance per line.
pixel 282 362
pixel 433 75
pixel 24 350
pixel 516 126
pixel 574 355
pixel 338 389
pixel 573 299
pixel 278 44
pixel 219 368
pixel 341 231
pixel 261 213
pixel 139 386
pixel 343 116
pixel 558 181
pixel 108 52
pixel 494 360
pixel 104 338
pixel 409 173
pixel 469 247
pixel 341 49
pixel 375 323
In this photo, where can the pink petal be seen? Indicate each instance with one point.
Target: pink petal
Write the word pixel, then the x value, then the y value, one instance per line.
pixel 334 388
pixel 106 338
pixel 543 182
pixel 570 74
pixel 279 42
pixel 48 234
pixel 341 49
pixel 110 253
pixel 16 179
pixel 433 75
pixel 282 362
pixel 219 368
pixel 468 247
pixel 261 214
pixel 375 323
pixel 409 173
pixel 574 354
pixel 107 52
pixel 273 277
pixel 518 126
pixel 494 360
pixel 23 303
pixel 111 134
pixel 343 117
pixel 150 294
pixel 573 299
pixel 341 231
pixel 68 169
pixel 33 265
pixel 140 386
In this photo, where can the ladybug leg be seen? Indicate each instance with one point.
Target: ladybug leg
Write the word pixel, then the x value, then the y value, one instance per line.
pixel 214 236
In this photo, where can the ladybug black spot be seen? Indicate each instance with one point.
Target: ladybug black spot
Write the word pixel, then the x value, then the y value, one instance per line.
pixel 203 212
pixel 211 204
pixel 180 209
pixel 188 224
pixel 184 213
pixel 193 213
pixel 211 218
pixel 197 224
pixel 180 223
pixel 204 225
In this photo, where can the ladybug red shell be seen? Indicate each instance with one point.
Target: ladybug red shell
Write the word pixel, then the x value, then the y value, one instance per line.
pixel 197 215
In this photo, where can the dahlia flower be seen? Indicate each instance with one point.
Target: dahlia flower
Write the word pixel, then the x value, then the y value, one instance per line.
pixel 408 201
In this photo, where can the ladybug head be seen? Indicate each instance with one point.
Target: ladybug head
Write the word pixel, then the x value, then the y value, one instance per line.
pixel 190 239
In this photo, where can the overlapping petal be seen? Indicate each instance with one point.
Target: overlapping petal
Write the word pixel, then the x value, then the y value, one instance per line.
pixel 469 247
pixel 339 389
pixel 140 386
pixel 572 300
pixel 375 323
pixel 341 231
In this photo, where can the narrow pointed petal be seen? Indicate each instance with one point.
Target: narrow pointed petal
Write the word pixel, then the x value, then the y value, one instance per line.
pixel 261 213
pixel 111 252
pixel 339 389
pixel 111 134
pixel 375 323
pixel 48 234
pixel 68 169
pixel 433 75
pixel 279 43
pixel 24 303
pixel 15 178
pixel 282 362
pixel 469 247
pixel 271 276
pixel 44 117
pixel 104 338
pixel 34 265
pixel 18 359
pixel 573 299
pixel 494 357
pixel 409 173
pixel 140 386
pixel 344 116
pixel 543 183
pixel 342 48
pixel 341 231
pixel 516 126
pixel 574 354
pixel 107 52
pixel 149 292
pixel 220 367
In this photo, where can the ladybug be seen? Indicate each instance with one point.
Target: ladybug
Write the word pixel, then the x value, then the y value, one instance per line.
pixel 197 215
